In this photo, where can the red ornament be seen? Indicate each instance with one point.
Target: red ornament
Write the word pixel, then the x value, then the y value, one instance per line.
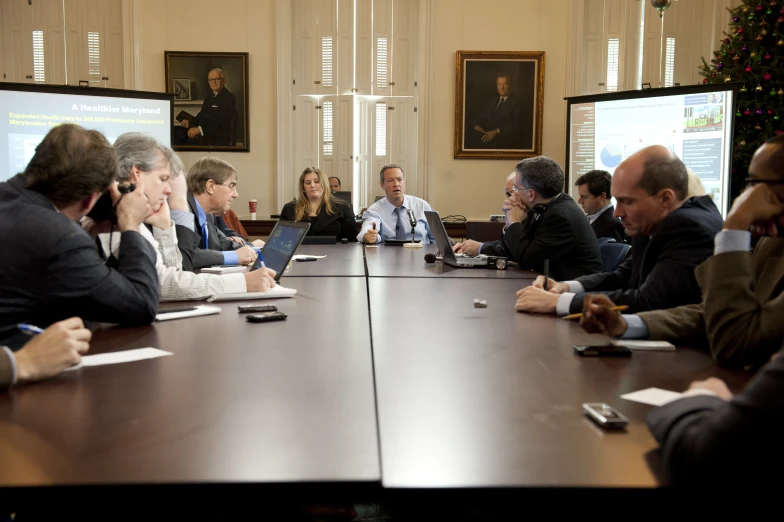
pixel 767 56
pixel 747 69
pixel 767 77
pixel 770 112
pixel 740 30
pixel 704 80
pixel 726 40
pixel 780 20
pixel 758 8
pixel 747 112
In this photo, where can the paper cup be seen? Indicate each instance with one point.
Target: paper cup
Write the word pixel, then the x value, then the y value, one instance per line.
pixel 252 205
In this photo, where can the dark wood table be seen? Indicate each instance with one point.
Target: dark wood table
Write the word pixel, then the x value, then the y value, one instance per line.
pixel 237 402
pixel 397 261
pixel 341 261
pixel 487 398
pixel 263 227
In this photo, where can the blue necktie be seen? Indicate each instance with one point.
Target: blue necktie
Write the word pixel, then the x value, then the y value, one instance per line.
pixel 400 228
pixel 205 235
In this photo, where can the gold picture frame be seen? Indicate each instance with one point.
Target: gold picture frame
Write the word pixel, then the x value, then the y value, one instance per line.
pixel 499 104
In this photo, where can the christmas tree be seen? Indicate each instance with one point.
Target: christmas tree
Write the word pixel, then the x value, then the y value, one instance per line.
pixel 752 53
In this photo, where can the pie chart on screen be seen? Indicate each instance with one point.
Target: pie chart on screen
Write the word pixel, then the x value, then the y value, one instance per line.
pixel 611 155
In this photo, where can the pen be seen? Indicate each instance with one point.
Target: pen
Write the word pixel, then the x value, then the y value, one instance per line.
pixel 614 308
pixel 261 261
pixel 29 329
pixel 546 274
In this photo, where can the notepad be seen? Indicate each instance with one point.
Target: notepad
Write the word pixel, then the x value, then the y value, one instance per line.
pixel 125 356
pixel 197 311
pixel 224 269
pixel 660 346
pixel 652 396
pixel 273 293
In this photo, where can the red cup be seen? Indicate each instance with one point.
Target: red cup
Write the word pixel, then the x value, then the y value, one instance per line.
pixel 253 204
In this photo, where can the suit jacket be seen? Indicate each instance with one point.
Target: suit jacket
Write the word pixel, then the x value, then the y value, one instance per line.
pixel 205 255
pixel 60 274
pixel 741 310
pixel 215 117
pixel 659 273
pixel 561 234
pixel 341 224
pixel 507 118
pixel 707 440
pixel 605 225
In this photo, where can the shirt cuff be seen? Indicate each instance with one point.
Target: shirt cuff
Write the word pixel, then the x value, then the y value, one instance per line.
pixel 230 258
pixel 233 283
pixel 201 130
pixel 480 248
pixel 564 302
pixel 575 287
pixel 13 363
pixel 635 328
pixel 732 241
pixel 184 218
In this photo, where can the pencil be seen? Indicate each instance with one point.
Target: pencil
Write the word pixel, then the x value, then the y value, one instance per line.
pixel 614 308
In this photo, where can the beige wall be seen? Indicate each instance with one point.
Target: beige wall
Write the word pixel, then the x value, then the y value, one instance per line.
pixel 232 26
pixel 474 188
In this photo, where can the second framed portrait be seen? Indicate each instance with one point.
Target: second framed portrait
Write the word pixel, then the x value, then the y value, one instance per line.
pixel 210 100
pixel 499 104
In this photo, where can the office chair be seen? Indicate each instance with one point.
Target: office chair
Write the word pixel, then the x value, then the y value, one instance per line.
pixel 603 240
pixel 613 254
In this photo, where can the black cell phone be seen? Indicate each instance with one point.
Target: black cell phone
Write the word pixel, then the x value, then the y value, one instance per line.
pixel 605 415
pixel 605 350
pixel 104 210
pixel 304 259
pixel 244 309
pixel 266 318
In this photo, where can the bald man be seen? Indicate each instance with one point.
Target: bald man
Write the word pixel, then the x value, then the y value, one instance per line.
pixel 488 248
pixel 670 236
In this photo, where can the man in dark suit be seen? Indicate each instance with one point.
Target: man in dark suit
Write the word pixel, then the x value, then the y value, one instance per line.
pixel 212 186
pixel 53 269
pixel 213 123
pixel 488 248
pixel 594 190
pixel 498 125
pixel 670 234
pixel 710 437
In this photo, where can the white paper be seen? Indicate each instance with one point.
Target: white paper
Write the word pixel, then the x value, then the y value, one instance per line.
pixel 273 293
pixel 224 269
pixel 298 256
pixel 662 346
pixel 652 396
pixel 200 310
pixel 138 354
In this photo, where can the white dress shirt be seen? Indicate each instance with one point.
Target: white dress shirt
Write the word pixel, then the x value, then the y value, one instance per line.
pixel 382 213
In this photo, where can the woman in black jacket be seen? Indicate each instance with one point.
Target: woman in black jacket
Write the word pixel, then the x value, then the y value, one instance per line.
pixel 328 216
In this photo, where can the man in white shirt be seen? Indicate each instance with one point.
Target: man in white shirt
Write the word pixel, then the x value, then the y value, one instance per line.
pixel 151 165
pixel 388 217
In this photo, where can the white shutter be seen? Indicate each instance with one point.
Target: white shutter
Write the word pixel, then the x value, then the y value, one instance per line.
pixel 404 47
pixel 39 67
pixel 382 33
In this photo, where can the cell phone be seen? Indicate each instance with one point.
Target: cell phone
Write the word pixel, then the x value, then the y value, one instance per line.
pixel 244 309
pixel 266 318
pixel 304 259
pixel 604 350
pixel 104 210
pixel 605 415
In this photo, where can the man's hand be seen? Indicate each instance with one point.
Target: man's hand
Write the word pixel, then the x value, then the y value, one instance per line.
pixel 514 210
pixel 236 239
pixel 258 243
pixel 58 347
pixel 260 280
pixel 132 209
pixel 479 128
pixel 489 136
pixel 192 133
pixel 532 299
pixel 185 123
pixel 598 316
pixel 371 236
pixel 756 206
pixel 246 255
pixel 553 286
pixel 161 218
pixel 715 385
pixel 178 199
pixel 468 247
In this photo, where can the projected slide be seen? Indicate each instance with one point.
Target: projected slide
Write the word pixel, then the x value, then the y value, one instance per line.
pixel 695 127
pixel 27 117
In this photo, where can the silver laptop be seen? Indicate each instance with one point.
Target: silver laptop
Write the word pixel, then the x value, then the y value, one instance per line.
pixel 445 247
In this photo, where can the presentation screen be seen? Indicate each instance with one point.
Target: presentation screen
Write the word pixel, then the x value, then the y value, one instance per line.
pixel 696 123
pixel 29 111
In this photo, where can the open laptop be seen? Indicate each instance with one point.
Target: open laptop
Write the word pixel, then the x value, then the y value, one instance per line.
pixel 445 247
pixel 345 195
pixel 281 245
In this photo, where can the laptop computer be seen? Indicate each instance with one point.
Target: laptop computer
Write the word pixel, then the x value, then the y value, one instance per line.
pixel 345 195
pixel 281 245
pixel 445 248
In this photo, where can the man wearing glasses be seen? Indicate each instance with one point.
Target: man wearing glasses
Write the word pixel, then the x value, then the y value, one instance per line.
pixel 739 317
pixel 212 126
pixel 488 248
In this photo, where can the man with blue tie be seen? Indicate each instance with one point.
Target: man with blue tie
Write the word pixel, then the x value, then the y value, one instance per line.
pixel 388 218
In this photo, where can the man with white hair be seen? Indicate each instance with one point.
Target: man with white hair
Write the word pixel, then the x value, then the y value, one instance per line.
pixel 212 126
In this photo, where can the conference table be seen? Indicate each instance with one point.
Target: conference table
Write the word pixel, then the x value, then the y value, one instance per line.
pixel 384 376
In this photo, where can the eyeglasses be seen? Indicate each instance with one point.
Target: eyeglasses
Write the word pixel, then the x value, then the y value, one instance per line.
pixel 513 191
pixel 231 186
pixel 754 181
pixel 215 80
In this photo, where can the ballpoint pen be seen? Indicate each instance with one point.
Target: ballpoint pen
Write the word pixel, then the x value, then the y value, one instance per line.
pixel 29 329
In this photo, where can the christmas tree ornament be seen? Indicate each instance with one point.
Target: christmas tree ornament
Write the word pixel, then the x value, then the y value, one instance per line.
pixel 740 30
pixel 736 58
pixel 767 77
pixel 742 89
pixel 770 112
pixel 763 32
pixel 744 48
pixel 745 9
pixel 753 54
pixel 758 88
pixel 747 69
pixel 750 18
pixel 704 80
pixel 758 8
pixel 727 41
pixel 747 112
pixel 736 19
pixel 727 79
pixel 772 92
pixel 758 38
pixel 776 117
pixel 758 127
pixel 780 19
pixel 742 143
pixel 780 42
pixel 758 112
pixel 719 65
pixel 780 92
pixel 767 56
pixel 738 114
pixel 768 12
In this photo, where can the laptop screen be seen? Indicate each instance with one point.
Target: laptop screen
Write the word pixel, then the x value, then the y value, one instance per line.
pixel 345 195
pixel 440 235
pixel 281 245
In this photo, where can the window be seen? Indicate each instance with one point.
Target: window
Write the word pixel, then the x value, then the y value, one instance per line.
pixel 94 56
pixel 669 62
pixel 326 114
pixel 613 47
pixel 39 73
pixel 381 129
pixel 326 61
pixel 381 63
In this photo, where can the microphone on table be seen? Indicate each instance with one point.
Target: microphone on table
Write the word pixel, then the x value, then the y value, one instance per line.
pixel 413 220
pixel 430 258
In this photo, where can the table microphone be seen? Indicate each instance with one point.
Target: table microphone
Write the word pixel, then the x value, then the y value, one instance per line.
pixel 413 220
pixel 430 258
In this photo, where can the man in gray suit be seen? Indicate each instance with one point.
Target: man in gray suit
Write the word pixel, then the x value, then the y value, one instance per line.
pixel 52 269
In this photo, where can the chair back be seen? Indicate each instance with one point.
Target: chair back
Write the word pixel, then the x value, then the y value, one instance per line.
pixel 483 230
pixel 613 255
pixel 603 240
pixel 234 223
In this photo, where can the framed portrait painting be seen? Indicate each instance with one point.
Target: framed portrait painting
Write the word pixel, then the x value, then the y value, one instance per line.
pixel 210 100
pixel 498 104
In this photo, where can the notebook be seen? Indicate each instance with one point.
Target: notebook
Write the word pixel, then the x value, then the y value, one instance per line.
pixel 273 293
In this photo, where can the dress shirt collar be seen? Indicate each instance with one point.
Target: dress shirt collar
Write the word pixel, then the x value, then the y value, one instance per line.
pixel 593 217
pixel 391 208
pixel 200 212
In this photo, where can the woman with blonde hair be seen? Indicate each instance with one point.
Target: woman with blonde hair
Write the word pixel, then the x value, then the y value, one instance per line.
pixel 327 215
